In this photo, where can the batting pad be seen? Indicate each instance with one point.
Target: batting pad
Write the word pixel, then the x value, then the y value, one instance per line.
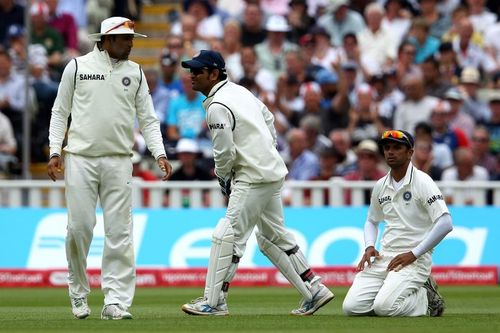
pixel 282 261
pixel 221 255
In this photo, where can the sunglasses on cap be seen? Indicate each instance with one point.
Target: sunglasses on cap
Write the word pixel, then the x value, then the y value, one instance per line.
pixel 394 134
pixel 126 24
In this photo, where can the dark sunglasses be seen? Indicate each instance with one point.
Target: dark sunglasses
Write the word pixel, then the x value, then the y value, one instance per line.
pixel 196 71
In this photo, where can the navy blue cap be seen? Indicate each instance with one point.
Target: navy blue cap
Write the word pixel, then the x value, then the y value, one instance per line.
pixel 206 59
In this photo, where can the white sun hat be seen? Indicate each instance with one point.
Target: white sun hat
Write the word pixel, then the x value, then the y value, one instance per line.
pixel 115 26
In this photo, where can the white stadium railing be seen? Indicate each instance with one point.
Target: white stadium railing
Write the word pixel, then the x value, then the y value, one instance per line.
pixel 197 194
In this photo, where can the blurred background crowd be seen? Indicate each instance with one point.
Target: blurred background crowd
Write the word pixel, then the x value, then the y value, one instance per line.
pixel 335 73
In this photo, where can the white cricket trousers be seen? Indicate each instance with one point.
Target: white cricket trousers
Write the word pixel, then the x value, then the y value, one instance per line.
pixel 258 205
pixel 108 178
pixel 389 294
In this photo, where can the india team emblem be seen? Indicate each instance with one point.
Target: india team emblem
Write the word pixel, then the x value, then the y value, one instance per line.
pixel 407 196
pixel 126 81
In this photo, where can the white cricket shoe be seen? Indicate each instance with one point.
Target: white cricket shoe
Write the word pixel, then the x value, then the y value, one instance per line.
pixel 80 308
pixel 321 296
pixel 200 307
pixel 435 307
pixel 114 312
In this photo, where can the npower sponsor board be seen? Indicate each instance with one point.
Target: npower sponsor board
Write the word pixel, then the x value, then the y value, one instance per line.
pixel 180 238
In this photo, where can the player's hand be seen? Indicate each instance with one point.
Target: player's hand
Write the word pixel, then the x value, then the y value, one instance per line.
pixel 165 167
pixel 225 185
pixel 370 253
pixel 400 261
pixel 54 167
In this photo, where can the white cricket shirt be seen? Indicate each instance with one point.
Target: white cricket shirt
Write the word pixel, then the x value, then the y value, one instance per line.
pixel 409 212
pixel 243 135
pixel 104 102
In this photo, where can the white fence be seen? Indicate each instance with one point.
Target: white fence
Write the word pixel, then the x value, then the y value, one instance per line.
pixel 196 194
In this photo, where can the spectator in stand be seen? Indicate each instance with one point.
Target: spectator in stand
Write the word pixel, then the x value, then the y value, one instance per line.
pixel 50 38
pixel 289 101
pixel 442 156
pixel 492 43
pixel 341 141
pixel 340 20
pixel 303 163
pixel 417 106
pixel 272 51
pixel 160 95
pixel 299 20
pixel 187 29
pixel 230 49
pixel 12 96
pixel 468 53
pixel 480 16
pixel 405 64
pixel 449 68
pixel 188 153
pixel 66 25
pixel 438 23
pixel 493 124
pixel 423 159
pixel 185 113
pixel 377 45
pixel 10 13
pixel 315 140
pixel 169 67
pixel 465 169
pixel 390 98
pixel 364 122
pixel 397 19
pixel 335 101
pixel 425 44
pixel 434 85
pixel 481 150
pixel 142 174
pixel 252 25
pixel 459 13
pixel 252 69
pixel 328 159
pixel 441 130
pixel 470 82
pixel 367 168
pixel 457 117
pixel 209 25
pixel 8 145
pixel 324 54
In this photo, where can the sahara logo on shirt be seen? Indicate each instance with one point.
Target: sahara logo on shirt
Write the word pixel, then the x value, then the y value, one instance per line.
pixel 92 77
pixel 384 199
pixel 434 198
pixel 220 126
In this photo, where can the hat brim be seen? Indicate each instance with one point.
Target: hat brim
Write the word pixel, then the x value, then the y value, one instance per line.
pixel 193 64
pixel 97 36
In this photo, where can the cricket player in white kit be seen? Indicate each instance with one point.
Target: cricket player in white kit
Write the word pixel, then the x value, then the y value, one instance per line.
pixel 397 280
pixel 104 93
pixel 251 173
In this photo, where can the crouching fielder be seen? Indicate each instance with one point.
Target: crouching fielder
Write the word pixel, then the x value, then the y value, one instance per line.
pixel 251 173
pixel 396 281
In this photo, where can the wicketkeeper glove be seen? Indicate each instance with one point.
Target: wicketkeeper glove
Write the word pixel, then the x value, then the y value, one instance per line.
pixel 225 185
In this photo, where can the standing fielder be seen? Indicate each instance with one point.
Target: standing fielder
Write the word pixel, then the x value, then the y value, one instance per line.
pixel 251 173
pixel 103 92
pixel 396 281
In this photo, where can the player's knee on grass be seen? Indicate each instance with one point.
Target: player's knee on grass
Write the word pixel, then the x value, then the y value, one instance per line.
pixel 383 308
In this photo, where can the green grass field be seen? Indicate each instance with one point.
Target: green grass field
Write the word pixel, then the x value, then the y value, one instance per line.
pixel 469 309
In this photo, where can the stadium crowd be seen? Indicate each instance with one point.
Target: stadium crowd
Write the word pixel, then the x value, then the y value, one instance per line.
pixel 335 73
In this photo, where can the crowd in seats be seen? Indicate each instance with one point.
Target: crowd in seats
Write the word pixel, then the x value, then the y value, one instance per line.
pixel 335 74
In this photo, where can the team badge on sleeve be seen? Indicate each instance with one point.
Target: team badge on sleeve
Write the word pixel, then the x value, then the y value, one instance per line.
pixel 407 196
